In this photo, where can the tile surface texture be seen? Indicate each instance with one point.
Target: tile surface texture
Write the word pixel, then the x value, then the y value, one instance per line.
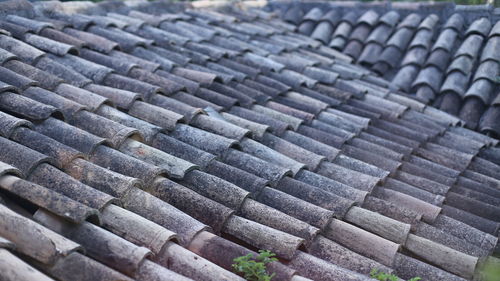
pixel 441 54
pixel 156 141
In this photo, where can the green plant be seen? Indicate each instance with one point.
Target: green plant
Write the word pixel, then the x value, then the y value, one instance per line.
pixel 382 276
pixel 489 270
pixel 254 268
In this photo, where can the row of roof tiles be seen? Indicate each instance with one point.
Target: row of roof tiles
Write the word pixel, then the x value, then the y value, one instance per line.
pixel 447 59
pixel 161 147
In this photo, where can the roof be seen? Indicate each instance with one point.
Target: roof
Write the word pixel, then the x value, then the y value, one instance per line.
pixel 153 141
pixel 440 53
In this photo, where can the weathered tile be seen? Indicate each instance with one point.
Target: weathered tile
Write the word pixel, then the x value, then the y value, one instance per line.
pixel 365 244
pixel 318 269
pixel 14 267
pixel 24 51
pixel 359 131
pixel 406 267
pixel 33 239
pixel 209 246
pixel 121 255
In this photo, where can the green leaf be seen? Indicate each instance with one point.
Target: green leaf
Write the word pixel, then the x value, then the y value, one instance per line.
pixel 254 268
pixel 382 276
pixel 393 277
pixel 373 272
